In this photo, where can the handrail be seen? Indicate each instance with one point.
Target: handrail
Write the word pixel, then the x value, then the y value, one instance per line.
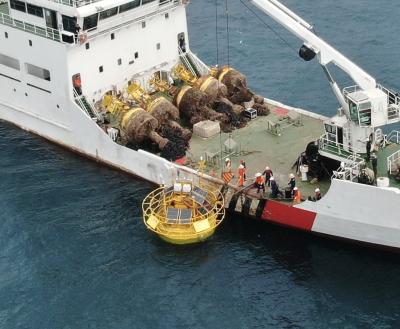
pixel 45 32
pixel 200 65
pixel 392 159
pixel 81 3
pixel 323 142
pixel 393 133
pixel 78 99
pixel 185 61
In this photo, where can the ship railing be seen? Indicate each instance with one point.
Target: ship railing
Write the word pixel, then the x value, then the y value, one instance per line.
pixel 393 97
pixel 45 32
pixel 81 3
pixel 183 56
pixel 201 67
pixel 335 148
pixel 350 168
pixel 75 3
pixel 85 105
pixel 393 162
pixel 131 17
pixel 393 136
pixel 350 89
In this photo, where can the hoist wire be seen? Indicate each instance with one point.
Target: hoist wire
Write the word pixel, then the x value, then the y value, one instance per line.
pixel 227 27
pixel 268 26
pixel 216 30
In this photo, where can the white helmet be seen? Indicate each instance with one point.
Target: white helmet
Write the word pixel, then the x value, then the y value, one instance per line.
pixel 227 159
pixel 295 188
pixel 266 168
pixel 258 174
pixel 317 190
pixel 291 176
pixel 241 166
pixel 272 178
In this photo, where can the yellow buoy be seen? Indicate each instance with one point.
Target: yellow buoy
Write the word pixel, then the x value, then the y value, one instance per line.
pixel 183 213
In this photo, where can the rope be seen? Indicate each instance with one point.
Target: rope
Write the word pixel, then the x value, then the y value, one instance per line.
pixel 269 27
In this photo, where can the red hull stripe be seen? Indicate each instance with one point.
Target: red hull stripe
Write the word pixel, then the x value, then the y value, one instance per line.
pixel 287 215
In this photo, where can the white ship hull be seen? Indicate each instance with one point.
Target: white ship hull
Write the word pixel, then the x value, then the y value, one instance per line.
pixel 46 107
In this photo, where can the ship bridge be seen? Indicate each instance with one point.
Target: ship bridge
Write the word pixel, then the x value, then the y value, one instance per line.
pixel 76 21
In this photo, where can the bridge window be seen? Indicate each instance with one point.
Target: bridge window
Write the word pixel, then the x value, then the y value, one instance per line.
pixel 108 13
pixel 146 1
pixel 38 71
pixel 90 22
pixel 18 5
pixel 128 6
pixel 9 61
pixel 69 23
pixel 34 10
pixel 353 111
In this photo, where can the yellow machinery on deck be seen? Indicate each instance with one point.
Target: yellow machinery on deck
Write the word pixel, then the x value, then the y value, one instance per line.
pixel 183 213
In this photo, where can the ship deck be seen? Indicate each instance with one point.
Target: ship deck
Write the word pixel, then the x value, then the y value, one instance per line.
pixel 259 147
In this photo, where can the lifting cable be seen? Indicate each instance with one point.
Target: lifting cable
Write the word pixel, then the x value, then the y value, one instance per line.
pixel 227 26
pixel 268 26
pixel 216 29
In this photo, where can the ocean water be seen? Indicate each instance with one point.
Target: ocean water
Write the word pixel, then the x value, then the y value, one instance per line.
pixel 75 254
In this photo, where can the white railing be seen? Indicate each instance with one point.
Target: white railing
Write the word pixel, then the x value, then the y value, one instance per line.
pixel 349 169
pixel 393 136
pixel 393 161
pixel 80 3
pixel 333 147
pixel 201 67
pixel 45 32
pixel 186 62
pixel 79 99
pixel 131 17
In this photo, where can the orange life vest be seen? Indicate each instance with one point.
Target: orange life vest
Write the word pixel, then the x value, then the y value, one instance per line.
pixel 260 180
pixel 297 197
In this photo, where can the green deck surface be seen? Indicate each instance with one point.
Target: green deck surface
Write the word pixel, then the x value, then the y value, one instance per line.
pixel 260 148
pixel 382 154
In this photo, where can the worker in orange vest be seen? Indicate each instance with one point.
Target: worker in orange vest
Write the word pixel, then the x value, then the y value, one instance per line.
pixel 245 168
pixel 296 195
pixel 227 172
pixel 260 182
pixel 242 174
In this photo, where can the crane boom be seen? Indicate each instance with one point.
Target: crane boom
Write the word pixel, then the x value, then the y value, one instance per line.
pixel 325 52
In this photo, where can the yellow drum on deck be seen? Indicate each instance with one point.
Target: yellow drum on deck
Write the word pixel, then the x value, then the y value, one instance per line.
pixel 183 213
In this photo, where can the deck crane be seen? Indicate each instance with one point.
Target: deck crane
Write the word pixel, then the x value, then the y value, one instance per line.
pixel 364 107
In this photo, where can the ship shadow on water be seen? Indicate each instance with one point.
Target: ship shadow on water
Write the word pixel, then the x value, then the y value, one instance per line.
pixel 276 237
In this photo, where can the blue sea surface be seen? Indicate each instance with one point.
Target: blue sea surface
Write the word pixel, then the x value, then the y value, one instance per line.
pixel 74 252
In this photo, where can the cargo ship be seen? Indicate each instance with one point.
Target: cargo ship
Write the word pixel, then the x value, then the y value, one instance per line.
pixel 117 82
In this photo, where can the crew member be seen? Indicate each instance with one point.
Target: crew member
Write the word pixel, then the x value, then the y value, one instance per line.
pixel 242 174
pixel 274 188
pixel 318 194
pixel 374 162
pixel 77 84
pixel 292 182
pixel 243 163
pixel 268 174
pixel 182 43
pixel 76 32
pixel 368 149
pixel 227 173
pixel 260 183
pixel 296 195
